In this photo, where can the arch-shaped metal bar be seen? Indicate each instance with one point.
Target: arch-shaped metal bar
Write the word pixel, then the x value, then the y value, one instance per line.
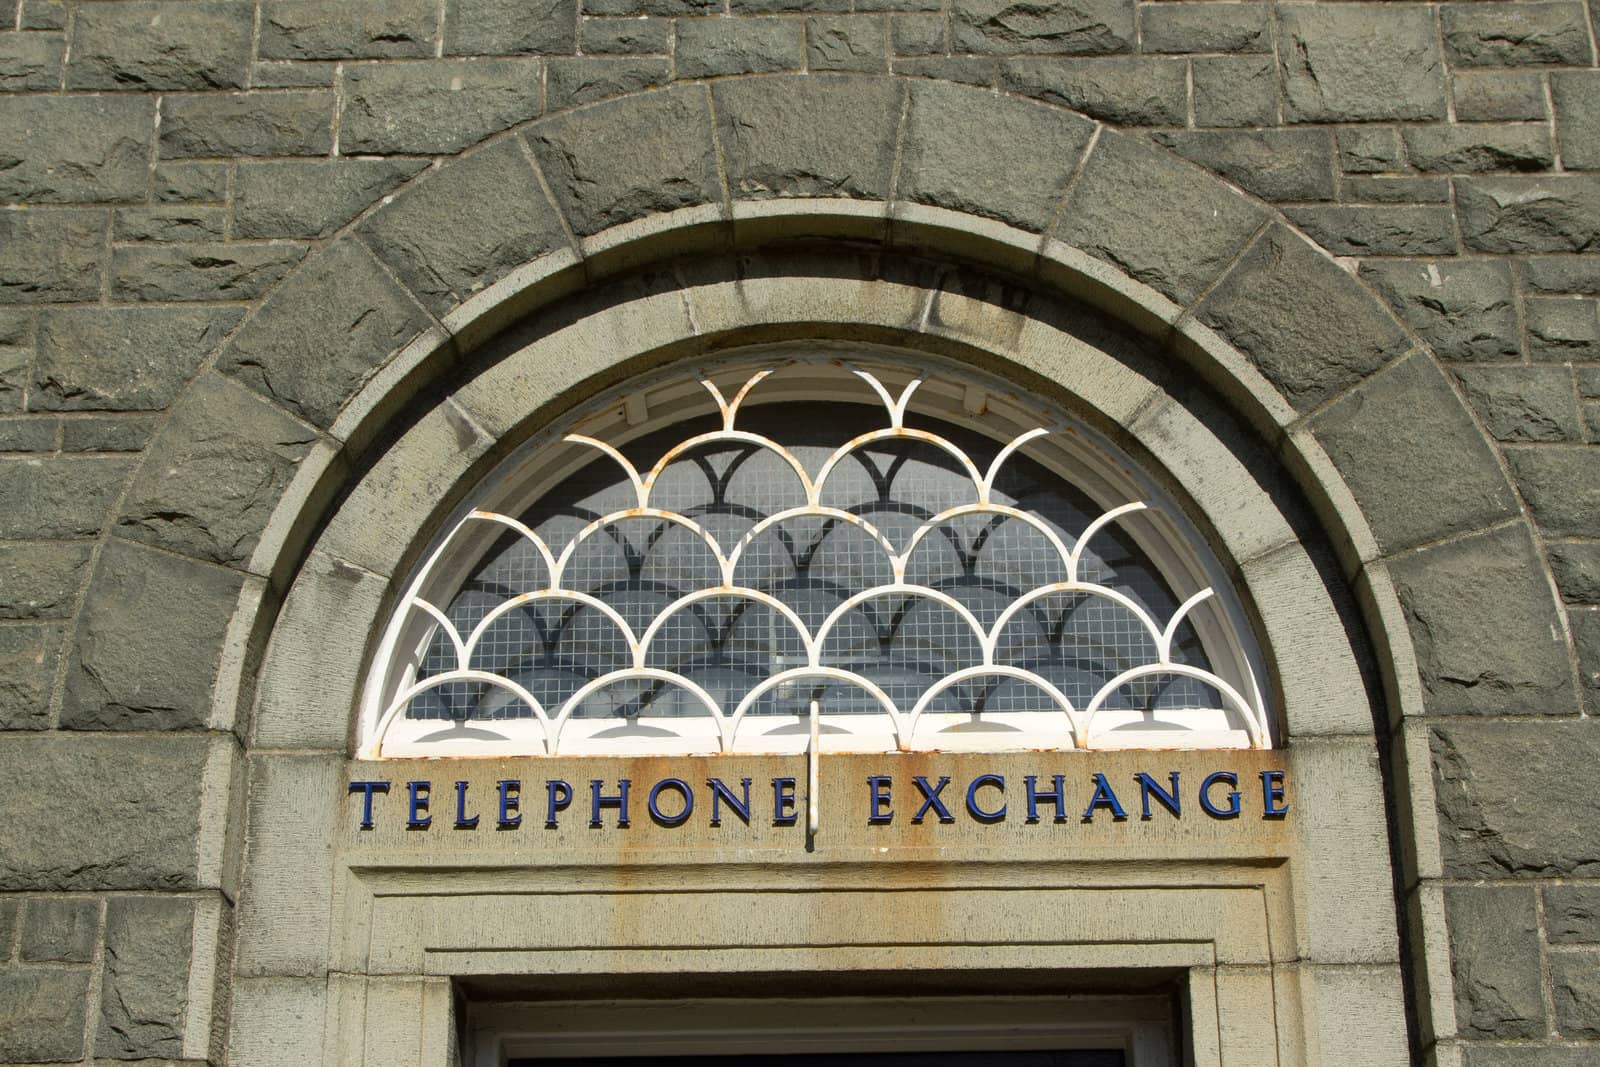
pixel 498 681
pixel 1086 588
pixel 810 511
pixel 1095 527
pixel 1253 727
pixel 635 513
pixel 642 650
pixel 1079 738
pixel 1177 620
pixel 640 492
pixel 1004 454
pixel 520 599
pixel 449 628
pixel 982 508
pixel 901 589
pixel 893 432
pixel 895 406
pixel 635 674
pixel 793 674
pixel 742 436
pixel 521 528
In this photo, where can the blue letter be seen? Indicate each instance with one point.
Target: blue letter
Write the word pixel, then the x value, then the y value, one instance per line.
pixel 1103 797
pixel 419 804
pixel 618 801
pixel 462 822
pixel 1170 801
pixel 510 800
pixel 366 789
pixel 558 796
pixel 688 802
pixel 783 802
pixel 1057 796
pixel 878 799
pixel 1230 812
pixel 972 798
pixel 930 799
pixel 720 793
pixel 1271 794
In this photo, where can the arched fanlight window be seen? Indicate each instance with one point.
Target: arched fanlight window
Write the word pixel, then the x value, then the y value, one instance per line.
pixel 909 553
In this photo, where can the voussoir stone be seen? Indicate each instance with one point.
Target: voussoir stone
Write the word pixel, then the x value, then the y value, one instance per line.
pixel 122 359
pixel 1550 213
pixel 1360 63
pixel 311 199
pixel 42 1013
pixel 149 641
pixel 351 29
pixel 1293 164
pixel 960 152
pixel 247 124
pixel 212 476
pixel 1494 956
pixel 51 256
pixel 1156 217
pixel 323 332
pixel 1309 327
pixel 1051 27
pixel 57 149
pixel 440 105
pixel 163 45
pixel 622 160
pixel 461 228
pixel 1128 90
pixel 1464 309
pixel 143 991
pixel 822 135
pixel 1511 660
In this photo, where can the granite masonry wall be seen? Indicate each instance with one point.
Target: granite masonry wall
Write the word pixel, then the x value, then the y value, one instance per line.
pixel 186 181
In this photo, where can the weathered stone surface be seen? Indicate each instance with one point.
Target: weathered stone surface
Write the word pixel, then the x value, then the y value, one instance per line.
pixel 63 496
pixel 42 1013
pixel 1562 487
pixel 1360 63
pixel 247 124
pixel 1577 119
pixel 1050 27
pixel 1498 34
pixel 1509 661
pixel 1564 328
pixel 952 154
pixel 1235 90
pixel 162 45
pixel 130 673
pixel 9 910
pixel 511 27
pixel 191 182
pixel 293 74
pixel 1479 147
pixel 457 231
pixel 353 29
pixel 1370 149
pixel 144 990
pixel 1586 638
pixel 56 149
pixel 35 433
pixel 1273 164
pixel 1506 802
pixel 323 333
pixel 824 135
pixel 573 81
pixel 29 658
pixel 1577 571
pixel 1494 956
pixel 1395 189
pixel 210 271
pixel 143 791
pixel 1464 309
pixel 1145 212
pixel 651 7
pixel 917 34
pixel 1309 327
pixel 51 255
pixel 846 42
pixel 1524 1055
pixel 59 930
pixel 213 473
pixel 625 37
pixel 1572 914
pixel 1522 404
pixel 1449 483
pixel 1497 96
pixel 30 61
pixel 1552 213
pixel 1206 27
pixel 40 579
pixel 16 359
pixel 107 433
pixel 1387 230
pixel 167 223
pixel 615 162
pixel 120 359
pixel 311 199
pixel 1575 991
pixel 435 106
pixel 963 70
pixel 710 47
pixel 1136 90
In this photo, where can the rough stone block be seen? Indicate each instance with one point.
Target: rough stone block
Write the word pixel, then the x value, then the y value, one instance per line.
pixel 29 659
pixel 1586 638
pixel 107 433
pixel 1476 147
pixel 1525 1055
pixel 30 61
pixel 635 8
pixel 41 579
pixel 62 496
pixel 293 74
pixel 1561 485
pixel 963 70
pixel 573 81
pixel 41 15
pixel 1577 571
pixel 205 183
pixel 154 46
pixel 707 48
pixel 436 105
pixel 626 37
pixel 247 124
pixel 9 910
pixel 847 42
pixel 35 433
pixel 1572 914
pixel 51 255
pixel 1370 149
pixel 1522 404
pixel 169 223
pixel 1464 309
pixel 1498 96
pixel 122 359
pixel 1379 230
pixel 1235 90
pixel 917 34
pixel 143 992
pixel 1294 164
pixel 311 199
pixel 353 29
pixel 323 333
pixel 1509 661
pixel 1562 328
pixel 1146 213
pixel 1205 27
pixel 511 27
pixel 56 149
pixel 127 672
pixel 1309 327
pixel 615 162
pixel 1577 117
pixel 1552 213
pixel 140 800
pixel 461 229
pixel 59 930
pixel 1360 63
pixel 1449 483
pixel 822 135
pixel 42 1014
pixel 1050 27
pixel 1494 955
pixel 1575 990
pixel 952 154
pixel 1501 35
pixel 1133 90
pixel 209 271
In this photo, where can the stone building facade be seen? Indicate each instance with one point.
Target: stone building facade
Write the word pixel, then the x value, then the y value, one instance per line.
pixel 261 264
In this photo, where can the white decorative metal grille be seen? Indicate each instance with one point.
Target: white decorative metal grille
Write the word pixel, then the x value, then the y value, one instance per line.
pixel 920 586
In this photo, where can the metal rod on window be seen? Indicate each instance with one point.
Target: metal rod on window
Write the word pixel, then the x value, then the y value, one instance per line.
pixel 811 777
